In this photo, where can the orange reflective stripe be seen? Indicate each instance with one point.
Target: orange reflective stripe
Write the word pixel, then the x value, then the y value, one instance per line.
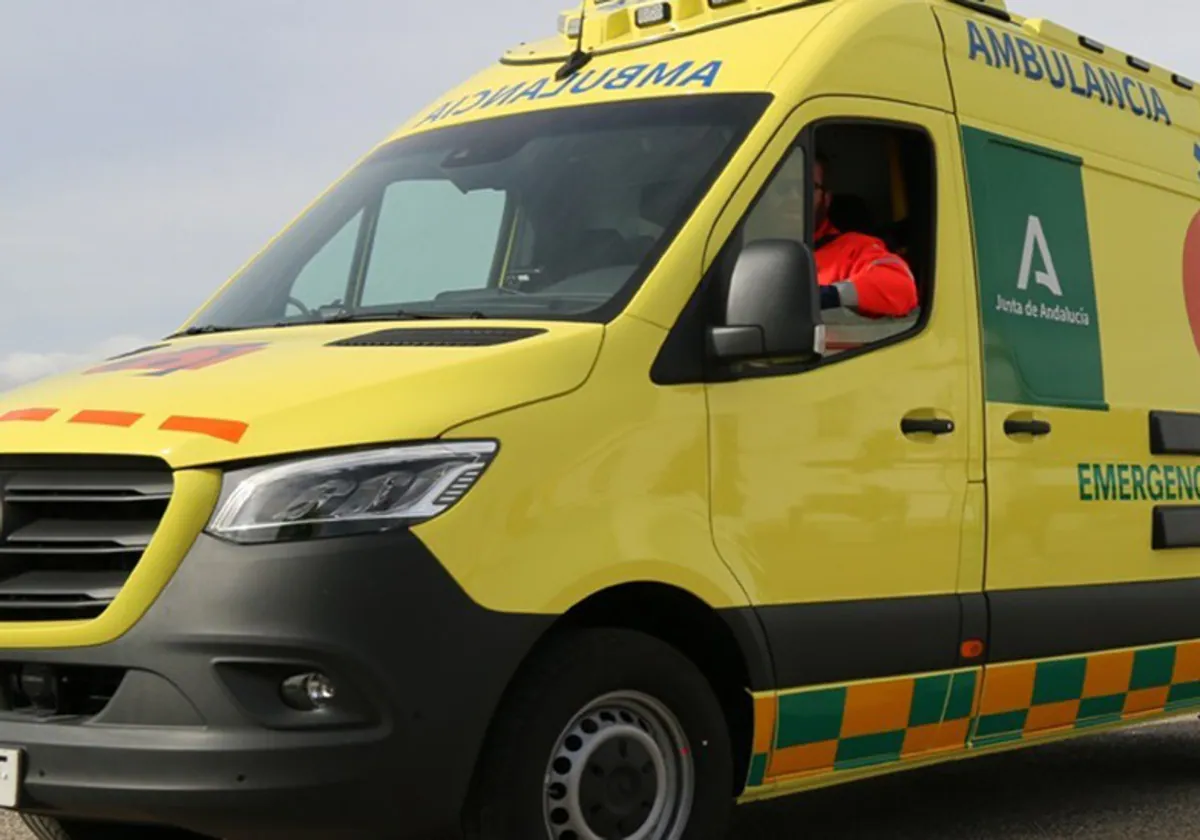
pixel 123 419
pixel 230 430
pixel 35 415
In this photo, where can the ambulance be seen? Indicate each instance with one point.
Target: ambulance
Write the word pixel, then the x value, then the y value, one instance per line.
pixel 531 486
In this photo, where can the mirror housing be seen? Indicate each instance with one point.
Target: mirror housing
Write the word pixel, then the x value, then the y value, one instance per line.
pixel 773 305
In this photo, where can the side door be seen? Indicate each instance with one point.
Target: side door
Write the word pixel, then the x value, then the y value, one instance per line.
pixel 1092 477
pixel 840 490
pixel 1093 561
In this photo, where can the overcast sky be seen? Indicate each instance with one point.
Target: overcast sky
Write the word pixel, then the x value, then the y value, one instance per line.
pixel 148 147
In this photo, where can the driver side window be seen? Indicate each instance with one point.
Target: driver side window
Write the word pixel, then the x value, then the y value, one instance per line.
pixel 323 281
pixel 781 211
pixel 864 196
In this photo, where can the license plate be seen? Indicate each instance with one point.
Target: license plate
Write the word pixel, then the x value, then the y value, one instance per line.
pixel 10 777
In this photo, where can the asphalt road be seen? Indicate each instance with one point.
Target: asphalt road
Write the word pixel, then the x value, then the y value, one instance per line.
pixel 1139 784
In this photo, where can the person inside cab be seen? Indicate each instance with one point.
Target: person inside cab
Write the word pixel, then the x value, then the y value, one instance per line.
pixel 857 271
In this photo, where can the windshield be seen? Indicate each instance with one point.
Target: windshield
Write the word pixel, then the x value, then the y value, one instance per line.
pixel 553 215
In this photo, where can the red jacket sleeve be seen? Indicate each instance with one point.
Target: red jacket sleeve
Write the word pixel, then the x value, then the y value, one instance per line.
pixel 883 283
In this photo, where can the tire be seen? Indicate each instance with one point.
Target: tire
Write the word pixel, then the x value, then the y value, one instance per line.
pixel 47 828
pixel 607 734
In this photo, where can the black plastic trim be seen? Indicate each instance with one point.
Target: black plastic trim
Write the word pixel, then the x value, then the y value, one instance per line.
pixel 1174 433
pixel 420 666
pixel 748 632
pixel 974 625
pixel 438 337
pixel 1176 526
pixel 1067 621
pixel 682 359
pixel 815 644
pixel 926 425
pixel 1036 428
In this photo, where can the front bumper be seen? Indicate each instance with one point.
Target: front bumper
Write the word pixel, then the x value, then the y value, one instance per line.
pixel 196 735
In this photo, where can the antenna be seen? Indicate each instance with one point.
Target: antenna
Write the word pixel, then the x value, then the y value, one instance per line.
pixel 578 59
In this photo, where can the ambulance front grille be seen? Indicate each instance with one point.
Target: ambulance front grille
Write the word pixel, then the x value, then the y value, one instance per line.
pixel 72 530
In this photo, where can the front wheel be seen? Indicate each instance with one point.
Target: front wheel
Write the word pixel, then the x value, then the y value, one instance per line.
pixel 608 735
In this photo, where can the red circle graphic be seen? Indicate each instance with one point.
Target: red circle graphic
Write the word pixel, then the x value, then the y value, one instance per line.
pixel 1191 277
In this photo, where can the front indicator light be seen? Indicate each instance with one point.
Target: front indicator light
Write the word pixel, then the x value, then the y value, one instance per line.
pixel 351 493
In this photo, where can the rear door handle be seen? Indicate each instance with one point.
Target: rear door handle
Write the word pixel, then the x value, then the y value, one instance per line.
pixel 926 425
pixel 1037 428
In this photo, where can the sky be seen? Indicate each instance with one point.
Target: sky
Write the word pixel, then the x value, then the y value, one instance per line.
pixel 149 147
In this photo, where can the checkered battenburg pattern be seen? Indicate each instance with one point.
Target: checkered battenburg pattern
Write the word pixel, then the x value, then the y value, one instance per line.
pixel 837 728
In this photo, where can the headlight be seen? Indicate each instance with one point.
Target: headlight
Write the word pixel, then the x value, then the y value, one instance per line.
pixel 352 493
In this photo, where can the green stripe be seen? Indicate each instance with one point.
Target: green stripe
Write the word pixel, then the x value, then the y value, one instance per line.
pixel 811 717
pixel 758 770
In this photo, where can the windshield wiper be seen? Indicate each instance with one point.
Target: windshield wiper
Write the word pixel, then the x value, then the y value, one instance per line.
pixel 399 315
pixel 204 329
pixel 339 318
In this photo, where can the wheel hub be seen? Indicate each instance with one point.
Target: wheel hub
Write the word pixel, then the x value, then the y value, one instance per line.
pixel 621 770
pixel 619 786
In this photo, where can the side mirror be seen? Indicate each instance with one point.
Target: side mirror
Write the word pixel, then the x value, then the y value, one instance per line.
pixel 773 306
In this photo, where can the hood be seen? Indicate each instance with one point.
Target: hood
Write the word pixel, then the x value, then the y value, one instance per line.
pixel 253 394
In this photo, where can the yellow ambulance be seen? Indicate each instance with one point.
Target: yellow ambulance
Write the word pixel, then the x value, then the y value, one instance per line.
pixel 549 479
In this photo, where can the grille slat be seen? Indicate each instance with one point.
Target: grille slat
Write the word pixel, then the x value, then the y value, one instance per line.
pixel 68 550
pixel 94 586
pixel 28 497
pixel 96 486
pixel 70 538
pixel 85 534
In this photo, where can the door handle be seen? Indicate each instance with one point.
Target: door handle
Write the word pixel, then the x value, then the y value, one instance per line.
pixel 926 425
pixel 1037 428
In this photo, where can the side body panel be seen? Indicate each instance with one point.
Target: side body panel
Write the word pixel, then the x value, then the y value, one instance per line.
pixel 1084 191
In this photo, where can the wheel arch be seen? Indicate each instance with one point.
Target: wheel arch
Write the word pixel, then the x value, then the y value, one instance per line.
pixel 728 645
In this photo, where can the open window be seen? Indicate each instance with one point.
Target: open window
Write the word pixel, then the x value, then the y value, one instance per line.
pixel 879 178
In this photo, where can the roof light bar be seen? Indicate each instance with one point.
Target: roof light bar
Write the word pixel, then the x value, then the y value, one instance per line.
pixel 653 15
pixel 569 25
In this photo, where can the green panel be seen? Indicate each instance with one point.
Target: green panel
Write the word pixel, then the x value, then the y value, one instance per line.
pixel 758 770
pixel 810 717
pixel 928 700
pixel 1152 668
pixel 990 726
pixel 1037 293
pixel 1184 694
pixel 1058 682
pixel 962 696
pixel 1093 707
pixel 869 749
